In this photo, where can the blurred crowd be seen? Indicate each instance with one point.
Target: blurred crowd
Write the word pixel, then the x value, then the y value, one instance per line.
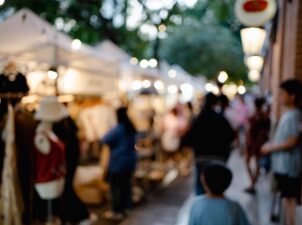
pixel 220 126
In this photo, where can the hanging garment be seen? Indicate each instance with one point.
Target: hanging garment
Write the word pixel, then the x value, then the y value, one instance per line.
pixel 12 204
pixel 52 165
pixel 13 83
pixel 73 210
pixel 25 127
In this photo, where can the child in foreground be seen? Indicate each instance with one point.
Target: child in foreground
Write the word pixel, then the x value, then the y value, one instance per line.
pixel 214 208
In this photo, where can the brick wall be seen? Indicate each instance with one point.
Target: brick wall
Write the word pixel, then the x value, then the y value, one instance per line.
pixel 288 60
pixel 286 53
pixel 298 60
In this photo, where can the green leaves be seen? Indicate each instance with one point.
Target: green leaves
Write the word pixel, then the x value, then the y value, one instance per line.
pixel 204 39
pixel 205 48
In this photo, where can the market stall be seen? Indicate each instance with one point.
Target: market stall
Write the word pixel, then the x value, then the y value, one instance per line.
pixel 38 47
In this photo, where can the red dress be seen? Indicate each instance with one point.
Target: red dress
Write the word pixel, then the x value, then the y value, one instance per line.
pixel 51 166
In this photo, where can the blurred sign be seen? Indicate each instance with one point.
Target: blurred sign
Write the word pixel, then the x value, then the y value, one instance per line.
pixel 255 12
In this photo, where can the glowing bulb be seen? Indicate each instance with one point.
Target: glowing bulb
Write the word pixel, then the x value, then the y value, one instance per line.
pixel 162 28
pixel 172 73
pixel 52 74
pixel 254 62
pixel 144 63
pixel 133 61
pixel 223 77
pixel 215 90
pixel 209 87
pixel 153 63
pixel 76 44
pixel 241 89
pixel 159 85
pixel 254 75
pixel 136 85
pixel 186 88
pixel 146 83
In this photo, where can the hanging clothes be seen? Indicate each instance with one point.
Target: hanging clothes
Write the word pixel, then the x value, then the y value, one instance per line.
pixel 25 127
pixel 12 204
pixel 50 166
pixel 72 209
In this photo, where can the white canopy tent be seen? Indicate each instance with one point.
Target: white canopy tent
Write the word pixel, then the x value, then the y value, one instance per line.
pixel 112 51
pixel 128 73
pixel 27 38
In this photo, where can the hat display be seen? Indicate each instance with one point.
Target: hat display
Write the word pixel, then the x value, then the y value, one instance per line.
pixel 255 12
pixel 51 110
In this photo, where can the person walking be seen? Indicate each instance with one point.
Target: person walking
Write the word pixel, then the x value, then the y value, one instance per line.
pixel 257 134
pixel 285 149
pixel 119 159
pixel 210 136
pixel 241 111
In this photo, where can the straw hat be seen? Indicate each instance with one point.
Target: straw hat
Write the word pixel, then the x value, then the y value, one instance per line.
pixel 51 110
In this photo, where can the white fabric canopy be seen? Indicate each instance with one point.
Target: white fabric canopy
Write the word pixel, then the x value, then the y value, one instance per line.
pixel 112 51
pixel 26 37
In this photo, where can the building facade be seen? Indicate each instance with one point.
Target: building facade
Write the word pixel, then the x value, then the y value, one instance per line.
pixel 283 59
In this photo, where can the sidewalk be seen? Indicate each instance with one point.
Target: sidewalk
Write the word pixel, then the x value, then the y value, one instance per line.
pixel 163 205
pixel 257 207
pixel 171 205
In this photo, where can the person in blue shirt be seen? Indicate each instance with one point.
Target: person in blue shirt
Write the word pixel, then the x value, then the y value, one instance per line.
pixel 120 145
pixel 214 208
pixel 285 149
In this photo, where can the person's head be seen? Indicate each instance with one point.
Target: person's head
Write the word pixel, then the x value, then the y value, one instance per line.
pixel 210 101
pixel 291 92
pixel 224 101
pixel 259 103
pixel 219 85
pixel 174 111
pixel 122 118
pixel 216 178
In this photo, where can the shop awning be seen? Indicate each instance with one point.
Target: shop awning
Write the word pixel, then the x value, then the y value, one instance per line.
pixel 114 52
pixel 27 37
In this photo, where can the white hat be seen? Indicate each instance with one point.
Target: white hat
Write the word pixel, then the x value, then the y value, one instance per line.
pixel 51 110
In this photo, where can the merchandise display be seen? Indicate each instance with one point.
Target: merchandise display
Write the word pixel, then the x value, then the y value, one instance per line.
pixel 54 113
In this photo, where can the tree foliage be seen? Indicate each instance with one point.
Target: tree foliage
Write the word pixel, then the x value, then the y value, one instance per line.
pixel 212 48
pixel 203 39
pixel 208 41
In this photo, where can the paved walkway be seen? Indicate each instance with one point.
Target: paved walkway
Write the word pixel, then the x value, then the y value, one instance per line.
pixel 171 205
pixel 257 207
pixel 160 208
